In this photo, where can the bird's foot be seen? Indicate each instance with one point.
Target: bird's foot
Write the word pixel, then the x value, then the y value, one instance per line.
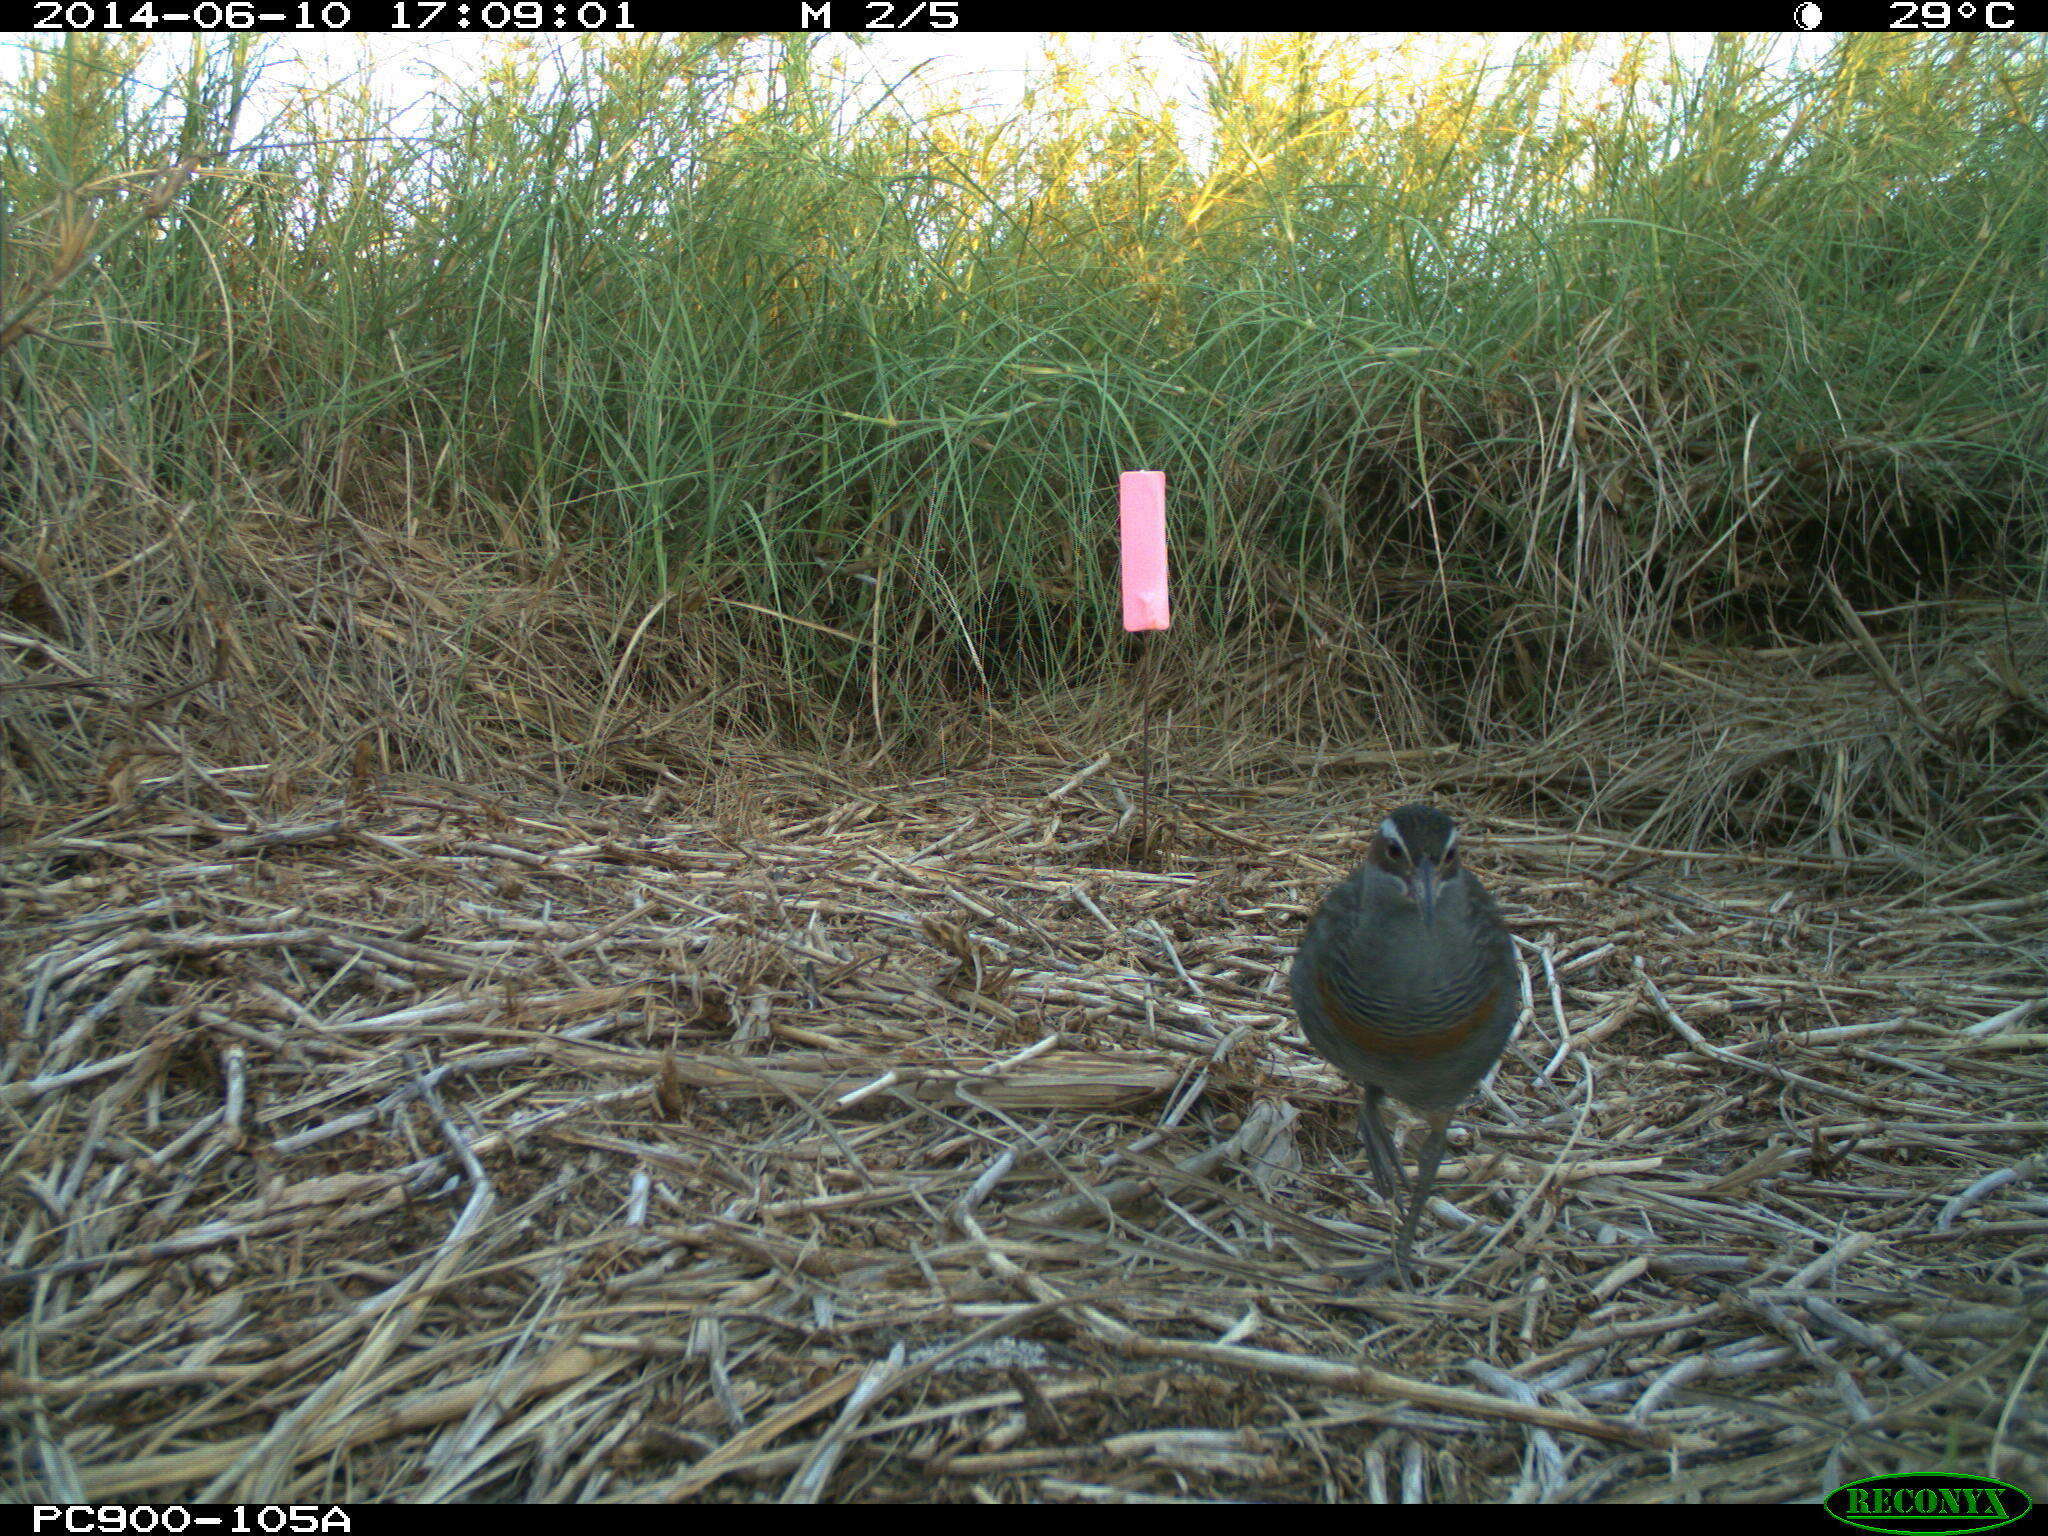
pixel 1382 1274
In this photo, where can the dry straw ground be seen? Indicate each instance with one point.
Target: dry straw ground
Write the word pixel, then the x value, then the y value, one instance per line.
pixel 780 1129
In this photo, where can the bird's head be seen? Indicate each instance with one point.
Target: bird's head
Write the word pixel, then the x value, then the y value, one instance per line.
pixel 1418 845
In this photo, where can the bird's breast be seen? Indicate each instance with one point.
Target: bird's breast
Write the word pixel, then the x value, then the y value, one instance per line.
pixel 1406 985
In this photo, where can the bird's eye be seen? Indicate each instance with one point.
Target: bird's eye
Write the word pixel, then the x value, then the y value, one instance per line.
pixel 1396 852
pixel 1449 859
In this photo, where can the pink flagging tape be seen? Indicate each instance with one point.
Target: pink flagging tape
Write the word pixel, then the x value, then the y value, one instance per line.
pixel 1142 516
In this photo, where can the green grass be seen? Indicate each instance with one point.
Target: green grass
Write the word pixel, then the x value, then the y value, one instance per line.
pixel 1548 365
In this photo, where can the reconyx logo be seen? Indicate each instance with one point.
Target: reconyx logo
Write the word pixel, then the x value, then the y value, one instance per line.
pixel 1927 1504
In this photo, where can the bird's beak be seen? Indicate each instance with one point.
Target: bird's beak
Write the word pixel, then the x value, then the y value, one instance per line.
pixel 1422 885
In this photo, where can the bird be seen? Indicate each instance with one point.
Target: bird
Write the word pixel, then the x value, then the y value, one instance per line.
pixel 1406 982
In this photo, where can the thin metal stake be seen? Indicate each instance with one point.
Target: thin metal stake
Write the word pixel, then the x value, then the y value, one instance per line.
pixel 1147 666
pixel 1147 685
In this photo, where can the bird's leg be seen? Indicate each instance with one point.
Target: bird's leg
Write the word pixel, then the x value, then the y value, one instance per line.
pixel 1387 1176
pixel 1439 1122
pixel 1388 1180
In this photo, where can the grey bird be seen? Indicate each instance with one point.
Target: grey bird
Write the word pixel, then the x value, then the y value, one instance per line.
pixel 1406 981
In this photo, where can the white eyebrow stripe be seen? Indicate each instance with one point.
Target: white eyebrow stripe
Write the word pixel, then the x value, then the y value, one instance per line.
pixel 1390 832
pixel 1451 843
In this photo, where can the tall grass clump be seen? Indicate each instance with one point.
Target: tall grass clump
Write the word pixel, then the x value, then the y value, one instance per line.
pixel 1484 388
